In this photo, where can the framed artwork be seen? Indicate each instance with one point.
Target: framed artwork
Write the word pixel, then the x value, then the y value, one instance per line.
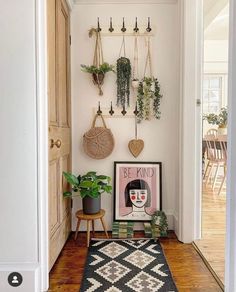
pixel 137 190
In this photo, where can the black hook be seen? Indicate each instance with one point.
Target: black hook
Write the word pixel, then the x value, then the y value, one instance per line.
pixel 99 112
pixel 148 29
pixel 136 29
pixel 98 28
pixel 136 110
pixel 123 26
pixel 111 112
pixel 123 111
pixel 111 29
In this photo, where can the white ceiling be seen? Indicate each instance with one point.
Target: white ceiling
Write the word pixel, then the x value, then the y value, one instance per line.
pixel 216 19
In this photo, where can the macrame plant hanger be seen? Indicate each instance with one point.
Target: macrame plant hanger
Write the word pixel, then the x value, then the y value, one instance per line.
pixel 148 62
pixel 149 95
pixel 98 78
pixel 123 67
pixel 135 75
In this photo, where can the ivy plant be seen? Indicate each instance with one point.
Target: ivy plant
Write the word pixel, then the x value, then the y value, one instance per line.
pixel 123 69
pixel 149 99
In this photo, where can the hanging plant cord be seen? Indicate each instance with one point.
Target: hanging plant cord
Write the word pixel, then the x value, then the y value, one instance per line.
pixel 135 75
pixel 123 69
pixel 149 95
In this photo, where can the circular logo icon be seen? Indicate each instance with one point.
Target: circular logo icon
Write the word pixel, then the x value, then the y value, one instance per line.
pixel 15 279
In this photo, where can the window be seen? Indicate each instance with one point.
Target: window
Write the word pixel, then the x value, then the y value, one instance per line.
pixel 212 93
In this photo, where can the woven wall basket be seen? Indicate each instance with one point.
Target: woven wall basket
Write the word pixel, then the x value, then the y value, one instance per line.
pixel 98 142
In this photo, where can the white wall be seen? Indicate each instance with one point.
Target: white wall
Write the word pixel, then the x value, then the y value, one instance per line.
pixel 216 56
pixel 160 137
pixel 18 155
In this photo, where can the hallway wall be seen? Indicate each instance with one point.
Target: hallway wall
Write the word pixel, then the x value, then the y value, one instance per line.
pixel 160 136
pixel 19 248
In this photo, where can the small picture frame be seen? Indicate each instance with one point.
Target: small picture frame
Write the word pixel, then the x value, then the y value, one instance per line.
pixel 137 190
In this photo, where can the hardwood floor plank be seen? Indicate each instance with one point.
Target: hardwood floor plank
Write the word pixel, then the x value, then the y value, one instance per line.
pixel 212 244
pixel 188 269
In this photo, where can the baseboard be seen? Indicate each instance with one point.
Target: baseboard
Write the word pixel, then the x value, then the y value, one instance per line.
pixel 30 274
pixel 176 225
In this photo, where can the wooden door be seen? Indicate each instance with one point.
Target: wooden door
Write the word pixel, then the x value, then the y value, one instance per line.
pixel 59 117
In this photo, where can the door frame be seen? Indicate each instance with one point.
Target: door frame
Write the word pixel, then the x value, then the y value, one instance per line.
pixel 42 138
pixel 190 152
pixel 230 260
pixel 189 223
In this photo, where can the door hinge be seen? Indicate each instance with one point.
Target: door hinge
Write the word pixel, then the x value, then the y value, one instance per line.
pixel 198 102
pixel 70 40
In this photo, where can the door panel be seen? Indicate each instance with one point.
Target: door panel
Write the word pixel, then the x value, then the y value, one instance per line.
pixel 59 130
pixel 52 101
pixel 63 60
pixel 54 220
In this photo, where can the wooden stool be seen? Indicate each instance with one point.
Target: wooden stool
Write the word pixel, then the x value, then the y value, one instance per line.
pixel 81 216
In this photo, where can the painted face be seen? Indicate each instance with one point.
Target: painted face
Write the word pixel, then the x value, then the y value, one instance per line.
pixel 138 197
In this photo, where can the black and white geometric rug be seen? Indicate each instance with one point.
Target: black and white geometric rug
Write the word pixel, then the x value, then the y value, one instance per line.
pixel 126 266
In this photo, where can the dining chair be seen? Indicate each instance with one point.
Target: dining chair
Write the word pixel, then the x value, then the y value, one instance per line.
pixel 222 139
pixel 215 157
pixel 212 132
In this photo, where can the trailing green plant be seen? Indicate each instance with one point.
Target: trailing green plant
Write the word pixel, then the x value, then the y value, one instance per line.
pixel 123 69
pixel 89 184
pixel 220 119
pixel 103 68
pixel 159 218
pixel 149 99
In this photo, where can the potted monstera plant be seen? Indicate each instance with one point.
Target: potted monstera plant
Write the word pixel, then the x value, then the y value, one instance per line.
pixel 89 186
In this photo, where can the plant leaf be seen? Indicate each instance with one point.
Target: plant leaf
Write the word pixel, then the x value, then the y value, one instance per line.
pixel 71 179
pixel 67 194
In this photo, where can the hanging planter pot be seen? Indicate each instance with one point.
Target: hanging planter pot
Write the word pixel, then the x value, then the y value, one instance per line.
pixel 135 83
pixel 98 79
pixel 99 67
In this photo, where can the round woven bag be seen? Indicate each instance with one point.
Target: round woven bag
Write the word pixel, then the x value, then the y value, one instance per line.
pixel 98 142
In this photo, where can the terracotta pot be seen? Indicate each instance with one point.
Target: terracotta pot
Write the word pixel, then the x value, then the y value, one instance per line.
pixel 222 130
pixel 98 79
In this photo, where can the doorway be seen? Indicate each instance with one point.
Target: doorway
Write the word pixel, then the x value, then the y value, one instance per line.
pixel 214 111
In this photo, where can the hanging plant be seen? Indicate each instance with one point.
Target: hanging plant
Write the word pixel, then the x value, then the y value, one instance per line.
pixel 98 73
pixel 148 99
pixel 99 67
pixel 123 70
pixel 149 96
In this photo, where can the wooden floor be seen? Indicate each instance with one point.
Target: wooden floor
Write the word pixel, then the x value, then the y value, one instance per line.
pixel 188 269
pixel 212 244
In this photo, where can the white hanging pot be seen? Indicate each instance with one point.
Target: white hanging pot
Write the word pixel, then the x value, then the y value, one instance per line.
pixel 135 83
pixel 153 86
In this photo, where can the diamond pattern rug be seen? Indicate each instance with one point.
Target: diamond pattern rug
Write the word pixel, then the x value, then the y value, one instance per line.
pixel 126 266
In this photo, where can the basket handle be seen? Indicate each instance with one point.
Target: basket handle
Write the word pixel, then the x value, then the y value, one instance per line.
pixel 95 118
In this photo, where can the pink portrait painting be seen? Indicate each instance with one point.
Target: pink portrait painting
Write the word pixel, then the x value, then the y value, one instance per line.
pixel 138 191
